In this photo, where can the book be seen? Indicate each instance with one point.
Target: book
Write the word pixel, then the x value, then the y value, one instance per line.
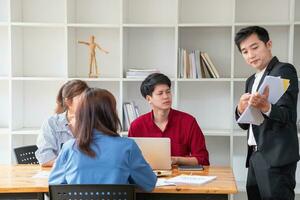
pixel 190 167
pixel 192 65
pixel 208 67
pixel 190 179
pixel 140 73
pixel 204 71
pixel 142 70
pixel 126 117
pixel 130 112
pixel 198 66
pixel 213 67
pixel 180 63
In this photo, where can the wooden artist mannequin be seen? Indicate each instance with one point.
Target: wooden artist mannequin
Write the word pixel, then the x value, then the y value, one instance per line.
pixel 93 73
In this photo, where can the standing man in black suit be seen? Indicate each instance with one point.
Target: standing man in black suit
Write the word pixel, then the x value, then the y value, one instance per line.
pixel 273 149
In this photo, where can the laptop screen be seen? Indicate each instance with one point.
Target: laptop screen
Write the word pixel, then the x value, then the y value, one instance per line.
pixel 156 151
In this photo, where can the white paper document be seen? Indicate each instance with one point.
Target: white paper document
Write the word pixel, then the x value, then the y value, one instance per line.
pixel 42 174
pixel 277 87
pixel 163 182
pixel 190 179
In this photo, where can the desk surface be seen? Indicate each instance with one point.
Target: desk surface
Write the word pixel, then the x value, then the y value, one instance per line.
pixel 18 179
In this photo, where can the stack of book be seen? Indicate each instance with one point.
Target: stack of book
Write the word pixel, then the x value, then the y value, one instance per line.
pixel 130 112
pixel 196 65
pixel 140 73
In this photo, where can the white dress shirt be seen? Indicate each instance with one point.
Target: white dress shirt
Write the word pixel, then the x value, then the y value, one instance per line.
pixel 258 76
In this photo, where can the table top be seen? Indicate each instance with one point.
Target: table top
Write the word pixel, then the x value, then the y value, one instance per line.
pixel 19 179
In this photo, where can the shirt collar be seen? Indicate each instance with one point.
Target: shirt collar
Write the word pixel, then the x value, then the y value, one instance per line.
pixel 170 117
pixel 98 134
pixel 62 117
pixel 269 67
pixel 260 73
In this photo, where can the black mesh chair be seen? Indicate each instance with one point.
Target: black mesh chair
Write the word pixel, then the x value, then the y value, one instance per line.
pixel 93 191
pixel 26 154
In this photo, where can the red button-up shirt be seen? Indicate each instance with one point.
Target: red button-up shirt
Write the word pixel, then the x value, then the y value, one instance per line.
pixel 187 139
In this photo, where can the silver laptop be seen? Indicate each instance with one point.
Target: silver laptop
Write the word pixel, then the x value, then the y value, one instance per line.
pixel 156 151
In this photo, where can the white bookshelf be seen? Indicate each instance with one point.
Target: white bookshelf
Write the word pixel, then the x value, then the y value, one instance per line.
pixel 40 51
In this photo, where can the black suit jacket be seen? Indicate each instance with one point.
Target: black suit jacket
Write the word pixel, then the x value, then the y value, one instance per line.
pixel 276 137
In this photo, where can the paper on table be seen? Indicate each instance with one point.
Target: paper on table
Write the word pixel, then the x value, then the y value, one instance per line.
pixel 190 179
pixel 162 182
pixel 42 174
pixel 277 87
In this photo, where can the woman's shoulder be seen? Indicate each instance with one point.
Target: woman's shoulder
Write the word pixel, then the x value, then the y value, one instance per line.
pixel 56 120
pixel 69 143
pixel 102 137
pixel 122 142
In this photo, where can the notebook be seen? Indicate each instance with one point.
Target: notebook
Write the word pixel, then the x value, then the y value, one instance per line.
pixel 156 151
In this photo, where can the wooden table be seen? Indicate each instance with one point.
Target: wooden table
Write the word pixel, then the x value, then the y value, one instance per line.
pixel 16 180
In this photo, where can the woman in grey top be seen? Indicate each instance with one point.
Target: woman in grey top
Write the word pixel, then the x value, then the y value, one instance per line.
pixel 57 129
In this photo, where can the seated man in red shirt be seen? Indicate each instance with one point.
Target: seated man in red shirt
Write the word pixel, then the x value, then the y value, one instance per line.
pixel 187 140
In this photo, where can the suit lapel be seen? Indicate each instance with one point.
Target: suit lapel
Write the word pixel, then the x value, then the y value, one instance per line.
pixel 272 63
pixel 250 84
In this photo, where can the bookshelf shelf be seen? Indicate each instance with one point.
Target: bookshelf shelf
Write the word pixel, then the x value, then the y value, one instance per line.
pixel 34 11
pixel 204 80
pixel 239 133
pixel 266 23
pixel 149 25
pixel 200 11
pixel 40 51
pixel 4 11
pixel 73 25
pixel 4 51
pixel 218 156
pixel 4 131
pixel 94 12
pixel 244 11
pixel 213 40
pixel 206 25
pixel 107 38
pixel 149 12
pixel 4 105
pixel 37 24
pixel 4 24
pixel 216 132
pixel 20 78
pixel 149 48
pixel 27 131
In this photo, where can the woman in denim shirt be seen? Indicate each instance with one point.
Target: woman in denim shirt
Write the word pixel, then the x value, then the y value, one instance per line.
pixel 99 155
pixel 56 130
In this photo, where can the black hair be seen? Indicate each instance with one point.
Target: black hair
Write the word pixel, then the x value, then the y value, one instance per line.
pixel 244 33
pixel 148 85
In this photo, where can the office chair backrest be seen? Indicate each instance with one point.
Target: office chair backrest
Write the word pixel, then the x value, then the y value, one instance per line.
pixel 92 191
pixel 26 154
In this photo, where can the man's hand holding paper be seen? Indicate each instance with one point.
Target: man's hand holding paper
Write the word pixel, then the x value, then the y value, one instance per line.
pixel 260 101
pixel 269 93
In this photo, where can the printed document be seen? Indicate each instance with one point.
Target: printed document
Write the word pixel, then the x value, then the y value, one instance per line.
pixel 42 174
pixel 190 179
pixel 277 87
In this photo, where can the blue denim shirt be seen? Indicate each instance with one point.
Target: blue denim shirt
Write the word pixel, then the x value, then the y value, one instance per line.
pixel 118 161
pixel 55 131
